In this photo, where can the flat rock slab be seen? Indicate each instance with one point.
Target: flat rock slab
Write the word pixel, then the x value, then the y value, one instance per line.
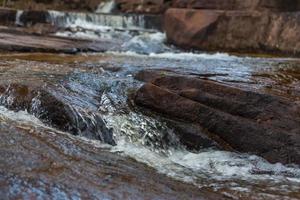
pixel 250 122
pixel 11 40
pixel 41 163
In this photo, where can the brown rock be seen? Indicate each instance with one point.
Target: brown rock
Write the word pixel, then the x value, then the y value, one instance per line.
pixel 44 163
pixel 54 112
pixel 18 40
pixel 74 5
pixel 32 17
pixel 274 5
pixel 142 6
pixel 249 122
pixel 256 32
pixel 7 16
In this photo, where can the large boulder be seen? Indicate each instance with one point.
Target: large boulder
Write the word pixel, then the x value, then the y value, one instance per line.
pixel 274 5
pixel 26 40
pixel 250 122
pixel 254 32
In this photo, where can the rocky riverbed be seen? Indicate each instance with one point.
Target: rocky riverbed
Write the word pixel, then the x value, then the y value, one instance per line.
pixel 91 85
pixel 100 106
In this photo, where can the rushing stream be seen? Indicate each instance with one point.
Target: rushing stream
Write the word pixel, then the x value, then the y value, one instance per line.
pixel 98 84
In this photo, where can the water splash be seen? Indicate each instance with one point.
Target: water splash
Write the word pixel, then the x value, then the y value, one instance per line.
pixel 106 7
pixel 92 21
pixel 18 18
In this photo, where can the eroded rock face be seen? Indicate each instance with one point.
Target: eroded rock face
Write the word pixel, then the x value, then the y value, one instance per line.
pixel 249 122
pixel 234 31
pixel 54 112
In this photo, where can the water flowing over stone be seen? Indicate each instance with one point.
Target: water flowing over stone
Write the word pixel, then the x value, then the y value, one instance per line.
pixel 100 84
pixel 75 116
pixel 96 21
pixel 106 6
pixel 18 18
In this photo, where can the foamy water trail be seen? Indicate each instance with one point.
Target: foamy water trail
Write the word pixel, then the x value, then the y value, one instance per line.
pixel 206 168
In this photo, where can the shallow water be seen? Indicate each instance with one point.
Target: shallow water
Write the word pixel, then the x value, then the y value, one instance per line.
pixel 100 83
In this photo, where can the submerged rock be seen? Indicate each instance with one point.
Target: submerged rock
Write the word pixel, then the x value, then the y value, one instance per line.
pixel 250 122
pixel 54 112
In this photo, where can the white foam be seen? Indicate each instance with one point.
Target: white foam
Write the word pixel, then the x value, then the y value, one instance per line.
pixel 93 21
pixel 90 35
pixel 204 168
pixel 106 7
pixel 146 43
pixel 20 116
pixel 194 56
pixel 18 18
pixel 210 164
pixel 180 56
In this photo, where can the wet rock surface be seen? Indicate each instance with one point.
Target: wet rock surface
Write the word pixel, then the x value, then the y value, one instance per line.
pixel 249 122
pixel 100 84
pixel 54 112
pixel 43 163
pixel 16 40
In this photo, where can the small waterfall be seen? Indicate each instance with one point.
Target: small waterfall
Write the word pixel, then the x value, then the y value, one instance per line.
pixel 106 7
pixel 18 18
pixel 94 21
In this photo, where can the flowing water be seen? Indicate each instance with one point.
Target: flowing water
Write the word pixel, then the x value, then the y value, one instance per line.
pixel 99 84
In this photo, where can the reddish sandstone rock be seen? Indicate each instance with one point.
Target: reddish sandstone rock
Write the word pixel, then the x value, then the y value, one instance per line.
pixel 274 5
pixel 249 122
pixel 142 6
pixel 74 5
pixel 23 41
pixel 234 31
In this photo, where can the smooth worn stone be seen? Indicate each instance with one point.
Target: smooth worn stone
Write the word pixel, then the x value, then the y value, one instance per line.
pixel 20 41
pixel 234 31
pixel 274 5
pixel 54 112
pixel 43 163
pixel 250 122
